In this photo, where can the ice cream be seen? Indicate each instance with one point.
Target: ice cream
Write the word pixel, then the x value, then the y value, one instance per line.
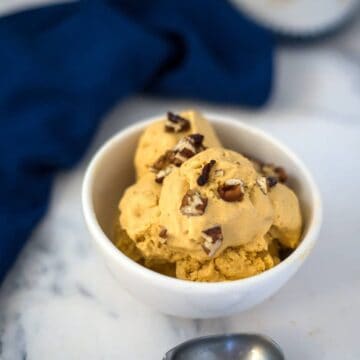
pixel 164 134
pixel 240 220
pixel 201 212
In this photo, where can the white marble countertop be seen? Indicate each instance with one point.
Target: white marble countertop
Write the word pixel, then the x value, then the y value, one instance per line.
pixel 60 303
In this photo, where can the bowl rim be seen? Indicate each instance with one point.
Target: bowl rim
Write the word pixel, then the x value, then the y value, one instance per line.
pixel 299 254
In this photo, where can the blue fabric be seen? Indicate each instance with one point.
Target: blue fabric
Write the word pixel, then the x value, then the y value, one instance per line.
pixel 62 67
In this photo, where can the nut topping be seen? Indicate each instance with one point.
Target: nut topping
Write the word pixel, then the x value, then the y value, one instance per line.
pixel 232 190
pixel 186 148
pixel 213 238
pixel 271 181
pixel 262 183
pixel 176 123
pixel 163 235
pixel 163 161
pixel 219 172
pixel 204 176
pixel 281 174
pixel 275 171
pixel 161 175
pixel 193 204
pixel 266 183
pixel 197 139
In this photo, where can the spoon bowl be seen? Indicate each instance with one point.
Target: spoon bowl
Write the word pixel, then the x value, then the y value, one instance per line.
pixel 227 347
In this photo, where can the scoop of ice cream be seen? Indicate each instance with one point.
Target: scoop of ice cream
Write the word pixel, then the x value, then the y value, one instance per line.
pixel 161 136
pixel 139 207
pixel 128 247
pixel 203 218
pixel 232 264
pixel 204 214
pixel 139 217
pixel 287 223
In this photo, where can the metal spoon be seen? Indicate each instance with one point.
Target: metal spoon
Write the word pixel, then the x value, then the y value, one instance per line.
pixel 227 347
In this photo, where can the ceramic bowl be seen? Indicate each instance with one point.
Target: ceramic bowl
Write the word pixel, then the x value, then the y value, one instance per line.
pixel 111 171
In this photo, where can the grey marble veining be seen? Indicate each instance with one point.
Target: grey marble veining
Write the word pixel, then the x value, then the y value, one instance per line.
pixel 59 302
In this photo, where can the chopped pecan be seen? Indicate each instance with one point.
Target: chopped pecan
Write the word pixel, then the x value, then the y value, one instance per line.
pixel 163 161
pixel 275 171
pixel 219 172
pixel 205 172
pixel 213 238
pixel 184 149
pixel 193 203
pixel 161 175
pixel 197 139
pixel 281 174
pixel 266 183
pixel 176 123
pixel 232 190
pixel 163 235
pixel 271 181
pixel 187 147
pixel 262 183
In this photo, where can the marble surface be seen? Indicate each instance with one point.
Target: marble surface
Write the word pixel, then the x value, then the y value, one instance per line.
pixel 59 302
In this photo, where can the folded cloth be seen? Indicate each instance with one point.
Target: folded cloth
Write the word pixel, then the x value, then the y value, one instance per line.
pixel 62 67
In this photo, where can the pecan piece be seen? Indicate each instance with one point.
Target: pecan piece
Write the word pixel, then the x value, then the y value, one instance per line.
pixel 193 204
pixel 163 161
pixel 205 172
pixel 219 172
pixel 262 183
pixel 213 238
pixel 197 139
pixel 232 190
pixel 176 123
pixel 186 148
pixel 161 175
pixel 271 181
pixel 281 174
pixel 266 183
pixel 163 235
pixel 275 171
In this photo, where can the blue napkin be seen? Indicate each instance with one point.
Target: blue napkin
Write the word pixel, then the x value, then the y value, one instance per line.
pixel 62 67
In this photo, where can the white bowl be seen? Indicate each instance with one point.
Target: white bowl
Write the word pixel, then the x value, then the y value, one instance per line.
pixel 301 17
pixel 111 171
